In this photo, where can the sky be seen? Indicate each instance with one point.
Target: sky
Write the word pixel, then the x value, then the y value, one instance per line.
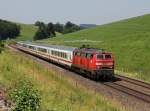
pixel 77 11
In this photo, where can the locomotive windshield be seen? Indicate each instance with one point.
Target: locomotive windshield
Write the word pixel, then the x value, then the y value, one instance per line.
pixel 108 56
pixel 103 56
pixel 100 57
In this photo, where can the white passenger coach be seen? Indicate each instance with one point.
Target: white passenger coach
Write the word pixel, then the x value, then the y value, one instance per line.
pixel 56 53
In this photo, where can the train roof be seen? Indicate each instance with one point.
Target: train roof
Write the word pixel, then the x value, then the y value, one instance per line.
pixel 91 50
pixel 60 47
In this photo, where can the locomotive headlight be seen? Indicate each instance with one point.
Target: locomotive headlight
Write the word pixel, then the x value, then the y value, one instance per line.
pixel 109 63
pixel 105 63
pixel 99 64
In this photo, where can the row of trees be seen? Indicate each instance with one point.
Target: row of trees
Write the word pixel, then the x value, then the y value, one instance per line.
pixel 8 30
pixel 44 31
pixel 69 27
pixel 48 30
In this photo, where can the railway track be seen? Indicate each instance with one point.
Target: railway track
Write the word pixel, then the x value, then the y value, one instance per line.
pixel 139 89
pixel 134 81
pixel 133 87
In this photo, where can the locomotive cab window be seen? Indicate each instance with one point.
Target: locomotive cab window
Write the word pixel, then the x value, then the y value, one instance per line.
pixel 89 56
pixel 75 53
pixel 100 56
pixel 83 55
pixel 108 56
pixel 78 54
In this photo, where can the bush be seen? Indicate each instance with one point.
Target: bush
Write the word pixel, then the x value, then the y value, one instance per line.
pixel 1 46
pixel 25 96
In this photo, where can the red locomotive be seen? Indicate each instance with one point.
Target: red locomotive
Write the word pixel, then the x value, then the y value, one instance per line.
pixel 94 63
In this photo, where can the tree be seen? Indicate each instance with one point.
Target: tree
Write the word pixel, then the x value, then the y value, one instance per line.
pixel 8 30
pixel 37 23
pixel 41 25
pixel 59 27
pixel 40 34
pixel 51 29
pixel 70 27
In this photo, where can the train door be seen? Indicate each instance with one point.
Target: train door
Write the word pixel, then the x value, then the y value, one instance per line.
pixel 74 57
pixel 83 60
pixel 78 59
pixel 89 61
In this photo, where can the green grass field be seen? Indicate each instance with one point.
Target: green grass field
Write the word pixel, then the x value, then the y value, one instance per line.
pixel 58 93
pixel 128 40
pixel 27 32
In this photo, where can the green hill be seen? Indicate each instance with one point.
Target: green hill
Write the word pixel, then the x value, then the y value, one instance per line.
pixel 127 39
pixel 27 32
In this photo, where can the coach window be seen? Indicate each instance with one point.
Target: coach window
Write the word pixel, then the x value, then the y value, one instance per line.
pixel 65 55
pixel 24 45
pixel 59 54
pixel 62 54
pixel 42 50
pixel 52 52
pixel 55 53
pixel 31 47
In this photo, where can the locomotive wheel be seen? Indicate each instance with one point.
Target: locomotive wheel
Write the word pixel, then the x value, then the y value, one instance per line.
pixel 94 76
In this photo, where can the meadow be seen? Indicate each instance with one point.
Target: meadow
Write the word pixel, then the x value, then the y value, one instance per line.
pixel 127 39
pixel 58 93
pixel 27 32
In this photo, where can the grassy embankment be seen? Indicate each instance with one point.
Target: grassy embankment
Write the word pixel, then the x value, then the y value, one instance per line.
pixel 58 93
pixel 127 39
pixel 27 32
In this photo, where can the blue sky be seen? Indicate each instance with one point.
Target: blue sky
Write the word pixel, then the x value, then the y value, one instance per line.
pixel 77 11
